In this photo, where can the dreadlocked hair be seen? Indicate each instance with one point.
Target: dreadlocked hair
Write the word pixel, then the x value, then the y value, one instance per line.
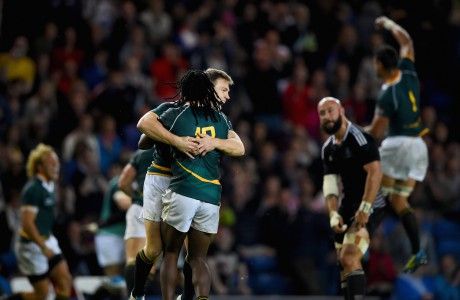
pixel 197 89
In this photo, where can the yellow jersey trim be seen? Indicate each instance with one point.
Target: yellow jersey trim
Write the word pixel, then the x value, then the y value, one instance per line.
pixel 424 132
pixel 215 181
pixel 160 167
pixel 157 173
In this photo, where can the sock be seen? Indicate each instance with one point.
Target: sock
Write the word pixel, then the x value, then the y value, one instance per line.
pixel 189 289
pixel 130 268
pixel 142 270
pixel 60 297
pixel 202 298
pixel 343 289
pixel 356 285
pixel 16 296
pixel 151 284
pixel 410 225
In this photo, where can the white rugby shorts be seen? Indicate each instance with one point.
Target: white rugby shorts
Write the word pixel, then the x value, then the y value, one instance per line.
pixel 404 157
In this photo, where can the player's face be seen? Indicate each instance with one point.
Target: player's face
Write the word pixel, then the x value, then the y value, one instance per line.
pixel 50 166
pixel 330 117
pixel 222 88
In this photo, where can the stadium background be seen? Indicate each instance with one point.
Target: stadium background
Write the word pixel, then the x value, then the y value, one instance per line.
pixel 78 74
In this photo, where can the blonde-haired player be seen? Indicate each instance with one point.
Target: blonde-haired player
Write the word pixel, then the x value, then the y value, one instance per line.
pixel 37 250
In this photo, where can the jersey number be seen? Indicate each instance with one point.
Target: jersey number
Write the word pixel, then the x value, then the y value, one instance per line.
pixel 210 130
pixel 413 101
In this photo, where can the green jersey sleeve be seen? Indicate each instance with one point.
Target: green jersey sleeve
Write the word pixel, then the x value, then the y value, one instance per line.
pixel 30 196
pixel 406 64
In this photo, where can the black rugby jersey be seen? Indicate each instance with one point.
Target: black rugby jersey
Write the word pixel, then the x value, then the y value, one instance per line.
pixel 347 160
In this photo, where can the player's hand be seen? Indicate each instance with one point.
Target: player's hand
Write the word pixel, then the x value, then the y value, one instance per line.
pixel 187 145
pixel 47 252
pixel 205 144
pixel 361 219
pixel 383 22
pixel 336 222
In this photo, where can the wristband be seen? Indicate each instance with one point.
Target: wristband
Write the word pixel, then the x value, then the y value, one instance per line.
pixel 365 207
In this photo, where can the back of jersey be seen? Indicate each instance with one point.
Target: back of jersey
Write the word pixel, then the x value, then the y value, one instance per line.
pixel 400 102
pixel 196 178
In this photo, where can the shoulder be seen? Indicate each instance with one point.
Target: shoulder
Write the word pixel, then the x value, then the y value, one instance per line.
pixel 407 67
pixel 358 135
pixel 361 139
pixel 31 186
pixel 164 107
pixel 386 93
pixel 225 119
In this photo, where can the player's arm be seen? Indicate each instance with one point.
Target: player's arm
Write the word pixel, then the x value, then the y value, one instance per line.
pixel 406 46
pixel 152 127
pixel 331 194
pixel 28 215
pixel 371 188
pixel 231 146
pixel 373 180
pixel 145 142
pixel 378 126
pixel 126 179
pixel 122 200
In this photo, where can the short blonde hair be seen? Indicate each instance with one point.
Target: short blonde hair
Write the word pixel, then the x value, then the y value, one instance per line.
pixel 215 74
pixel 36 157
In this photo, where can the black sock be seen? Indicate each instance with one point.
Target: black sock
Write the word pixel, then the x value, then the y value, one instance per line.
pixel 151 284
pixel 343 289
pixel 16 296
pixel 356 285
pixel 189 290
pixel 142 270
pixel 410 225
pixel 130 268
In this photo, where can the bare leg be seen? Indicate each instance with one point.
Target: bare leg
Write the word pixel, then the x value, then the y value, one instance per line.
pixel 198 245
pixel 173 241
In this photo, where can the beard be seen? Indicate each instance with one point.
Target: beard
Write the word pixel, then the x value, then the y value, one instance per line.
pixel 334 128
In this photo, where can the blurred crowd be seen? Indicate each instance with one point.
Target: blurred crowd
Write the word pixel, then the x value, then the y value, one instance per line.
pixel 79 74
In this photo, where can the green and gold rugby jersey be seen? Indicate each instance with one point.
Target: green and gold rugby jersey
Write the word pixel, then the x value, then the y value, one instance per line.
pixel 196 178
pixel 41 195
pixel 110 208
pixel 162 156
pixel 400 102
pixel 140 161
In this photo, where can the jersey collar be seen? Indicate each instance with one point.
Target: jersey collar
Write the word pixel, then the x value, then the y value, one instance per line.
pixel 395 81
pixel 48 185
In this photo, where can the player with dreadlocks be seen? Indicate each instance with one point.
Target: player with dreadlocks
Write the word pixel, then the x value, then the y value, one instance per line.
pixel 201 96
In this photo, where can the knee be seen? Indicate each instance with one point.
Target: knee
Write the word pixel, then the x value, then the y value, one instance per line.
pixel 349 260
pixel 41 293
pixel 152 252
pixel 64 284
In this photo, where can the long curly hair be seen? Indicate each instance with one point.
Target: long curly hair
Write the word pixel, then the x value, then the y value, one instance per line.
pixel 197 89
